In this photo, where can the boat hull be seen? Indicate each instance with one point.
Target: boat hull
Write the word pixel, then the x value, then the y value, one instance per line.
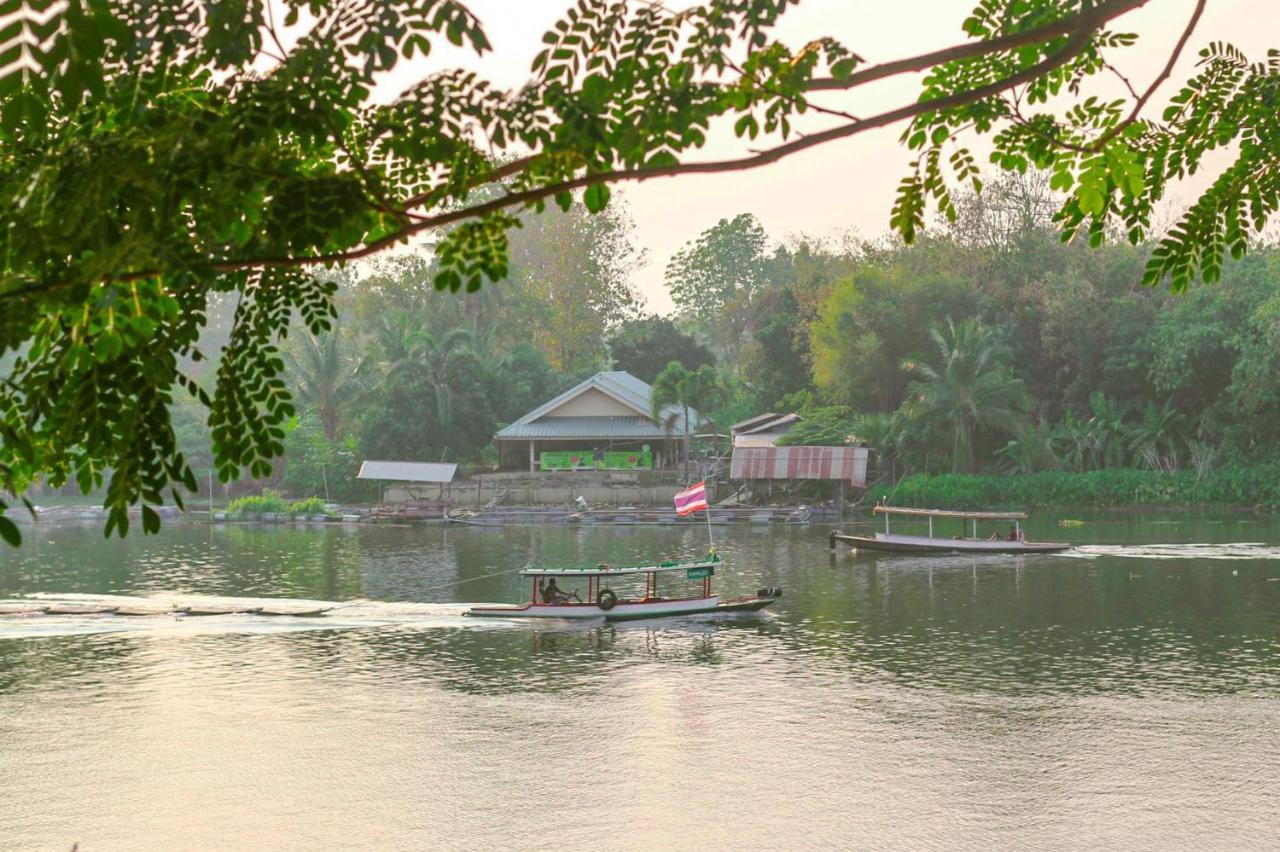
pixel 626 611
pixel 923 544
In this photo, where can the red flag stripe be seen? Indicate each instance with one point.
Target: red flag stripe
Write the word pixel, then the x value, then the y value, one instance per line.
pixel 692 499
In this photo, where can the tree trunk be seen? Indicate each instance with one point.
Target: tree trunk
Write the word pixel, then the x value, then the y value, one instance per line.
pixel 686 442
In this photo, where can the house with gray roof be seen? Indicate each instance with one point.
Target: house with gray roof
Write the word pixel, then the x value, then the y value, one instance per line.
pixel 603 423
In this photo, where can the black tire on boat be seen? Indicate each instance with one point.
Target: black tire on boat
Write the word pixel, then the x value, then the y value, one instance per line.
pixel 607 599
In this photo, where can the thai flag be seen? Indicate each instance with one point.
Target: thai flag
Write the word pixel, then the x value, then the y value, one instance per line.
pixel 692 499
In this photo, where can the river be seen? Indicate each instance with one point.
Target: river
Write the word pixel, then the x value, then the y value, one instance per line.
pixel 1122 695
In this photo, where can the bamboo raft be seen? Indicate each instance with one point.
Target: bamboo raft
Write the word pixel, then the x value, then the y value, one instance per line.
pixel 35 608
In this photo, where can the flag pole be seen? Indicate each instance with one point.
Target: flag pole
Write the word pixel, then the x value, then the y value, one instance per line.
pixel 711 542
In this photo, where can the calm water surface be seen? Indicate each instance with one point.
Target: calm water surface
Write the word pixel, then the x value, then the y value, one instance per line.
pixel 1120 696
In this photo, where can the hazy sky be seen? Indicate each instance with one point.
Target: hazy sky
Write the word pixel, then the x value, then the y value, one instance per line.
pixel 847 184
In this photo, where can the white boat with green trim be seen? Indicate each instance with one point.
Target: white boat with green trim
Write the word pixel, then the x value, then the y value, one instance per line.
pixel 599 600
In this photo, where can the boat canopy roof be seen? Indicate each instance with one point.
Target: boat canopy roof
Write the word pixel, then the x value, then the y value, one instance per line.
pixel 606 570
pixel 950 513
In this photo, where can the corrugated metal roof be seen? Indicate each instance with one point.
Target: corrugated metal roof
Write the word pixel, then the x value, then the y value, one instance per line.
pixel 618 384
pixel 847 463
pixel 398 471
pixel 569 428
pixel 752 421
pixel 766 423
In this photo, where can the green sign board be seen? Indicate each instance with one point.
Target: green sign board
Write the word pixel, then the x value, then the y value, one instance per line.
pixel 701 573
pixel 585 460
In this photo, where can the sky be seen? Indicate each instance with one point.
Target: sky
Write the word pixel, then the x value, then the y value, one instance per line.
pixel 846 185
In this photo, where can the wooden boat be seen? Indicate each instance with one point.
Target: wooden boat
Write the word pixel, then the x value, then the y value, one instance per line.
pixel 899 543
pixel 602 602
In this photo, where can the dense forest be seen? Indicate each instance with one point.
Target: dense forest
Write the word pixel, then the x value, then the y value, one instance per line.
pixel 990 346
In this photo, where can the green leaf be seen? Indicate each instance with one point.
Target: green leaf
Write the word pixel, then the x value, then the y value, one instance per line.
pixel 9 532
pixel 596 197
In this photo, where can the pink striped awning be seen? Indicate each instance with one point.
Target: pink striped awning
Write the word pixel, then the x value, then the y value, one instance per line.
pixel 847 463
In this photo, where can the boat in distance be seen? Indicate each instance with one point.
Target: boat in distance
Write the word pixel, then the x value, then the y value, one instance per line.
pixel 890 541
pixel 547 600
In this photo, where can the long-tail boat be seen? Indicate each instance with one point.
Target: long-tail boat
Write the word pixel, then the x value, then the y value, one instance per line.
pixel 1013 542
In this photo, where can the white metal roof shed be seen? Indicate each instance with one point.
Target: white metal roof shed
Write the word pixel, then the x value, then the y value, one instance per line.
pixel 400 471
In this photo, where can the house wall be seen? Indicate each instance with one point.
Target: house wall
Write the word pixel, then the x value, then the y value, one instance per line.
pixel 514 455
pixel 592 403
pixel 759 439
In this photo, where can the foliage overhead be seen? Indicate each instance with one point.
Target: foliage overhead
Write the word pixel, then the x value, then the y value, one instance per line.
pixel 156 155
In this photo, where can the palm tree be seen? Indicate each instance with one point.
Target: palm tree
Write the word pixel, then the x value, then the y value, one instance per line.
pixel 1077 443
pixel 1157 437
pixel 677 386
pixel 327 376
pixel 394 336
pixel 878 430
pixel 1031 449
pixel 449 360
pixel 968 384
pixel 882 433
pixel 1107 430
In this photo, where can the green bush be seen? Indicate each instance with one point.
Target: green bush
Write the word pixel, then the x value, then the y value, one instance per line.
pixel 1232 486
pixel 269 501
pixel 308 507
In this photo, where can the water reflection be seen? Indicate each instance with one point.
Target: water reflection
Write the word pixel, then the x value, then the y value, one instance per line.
pixel 1120 699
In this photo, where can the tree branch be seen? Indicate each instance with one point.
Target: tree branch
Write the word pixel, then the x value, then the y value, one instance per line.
pixel 1101 14
pixel 1155 84
pixel 1093 18
pixel 1078 41
pixel 1079 27
pixel 1140 101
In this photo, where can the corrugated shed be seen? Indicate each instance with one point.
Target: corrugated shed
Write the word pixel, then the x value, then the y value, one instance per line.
pixel 398 471
pixel 569 428
pixel 834 463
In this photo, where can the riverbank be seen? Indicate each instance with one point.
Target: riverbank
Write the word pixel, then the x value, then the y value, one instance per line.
pixel 1236 487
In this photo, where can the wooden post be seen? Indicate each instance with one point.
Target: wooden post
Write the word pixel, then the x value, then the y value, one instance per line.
pixel 532 469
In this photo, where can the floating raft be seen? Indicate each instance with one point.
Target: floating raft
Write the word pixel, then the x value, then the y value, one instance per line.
pixel 79 609
pixel 150 610
pixel 295 612
pixel 20 608
pixel 23 609
pixel 223 610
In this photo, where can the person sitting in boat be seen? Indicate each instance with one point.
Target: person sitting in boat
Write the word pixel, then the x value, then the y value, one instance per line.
pixel 552 594
pixel 1015 534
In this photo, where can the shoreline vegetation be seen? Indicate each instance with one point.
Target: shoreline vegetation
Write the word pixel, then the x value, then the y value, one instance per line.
pixel 1255 487
pixel 1000 366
